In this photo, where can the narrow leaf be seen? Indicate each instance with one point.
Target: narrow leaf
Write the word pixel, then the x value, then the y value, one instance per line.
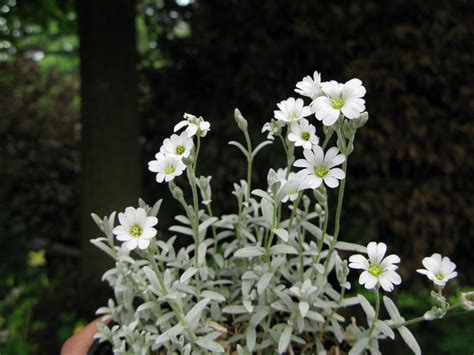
pixel 410 340
pixel 283 249
pixel 284 339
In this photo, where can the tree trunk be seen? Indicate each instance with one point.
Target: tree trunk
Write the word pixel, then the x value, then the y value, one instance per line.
pixel 110 170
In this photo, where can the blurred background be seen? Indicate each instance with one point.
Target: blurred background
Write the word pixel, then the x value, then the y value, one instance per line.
pixel 89 89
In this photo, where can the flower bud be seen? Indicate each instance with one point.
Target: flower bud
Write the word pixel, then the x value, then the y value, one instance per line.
pixel 361 120
pixel 467 300
pixel 241 121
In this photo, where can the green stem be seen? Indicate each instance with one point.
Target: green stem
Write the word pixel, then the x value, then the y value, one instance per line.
pixel 377 308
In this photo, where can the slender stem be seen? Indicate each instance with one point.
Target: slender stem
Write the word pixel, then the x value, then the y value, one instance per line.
pixel 422 318
pixel 325 227
pixel 377 307
pixel 249 164
pixel 326 140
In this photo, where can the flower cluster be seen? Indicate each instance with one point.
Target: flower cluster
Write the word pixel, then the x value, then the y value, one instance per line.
pixel 269 277
pixel 169 160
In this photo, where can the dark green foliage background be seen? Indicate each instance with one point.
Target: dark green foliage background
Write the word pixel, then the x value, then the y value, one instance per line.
pixel 410 177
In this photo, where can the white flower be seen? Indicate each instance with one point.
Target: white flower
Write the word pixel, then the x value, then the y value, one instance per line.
pixel 377 269
pixel 345 98
pixel 177 146
pixel 319 167
pixel 193 124
pixel 291 110
pixel 303 134
pixel 166 167
pixel 438 269
pixel 273 128
pixel 293 185
pixel 136 228
pixel 310 86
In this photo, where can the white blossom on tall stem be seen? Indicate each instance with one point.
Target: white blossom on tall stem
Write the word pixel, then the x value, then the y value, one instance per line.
pixel 193 124
pixel 310 86
pixel 438 269
pixel 377 269
pixel 319 167
pixel 177 146
pixel 166 167
pixel 136 228
pixel 303 134
pixel 291 110
pixel 345 98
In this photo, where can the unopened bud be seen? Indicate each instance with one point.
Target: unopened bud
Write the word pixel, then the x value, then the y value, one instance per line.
pixel 241 121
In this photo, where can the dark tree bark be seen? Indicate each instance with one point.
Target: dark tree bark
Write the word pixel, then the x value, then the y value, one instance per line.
pixel 110 127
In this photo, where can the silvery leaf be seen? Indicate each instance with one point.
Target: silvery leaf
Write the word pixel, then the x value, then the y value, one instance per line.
pixel 359 346
pixel 182 230
pixel 207 223
pixel 188 274
pixel 170 333
pixel 263 282
pixel 281 233
pixel 409 340
pixel 192 317
pixel 249 252
pixel 258 316
pixel 351 247
pixel 367 307
pixel 210 345
pixel 234 309
pixel 385 329
pixel 216 296
pixel 250 337
pixel 267 211
pixel 283 249
pixel 392 310
pixel 304 308
pixel 284 339
pixel 262 194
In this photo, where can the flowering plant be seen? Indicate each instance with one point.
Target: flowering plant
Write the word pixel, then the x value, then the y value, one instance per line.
pixel 270 277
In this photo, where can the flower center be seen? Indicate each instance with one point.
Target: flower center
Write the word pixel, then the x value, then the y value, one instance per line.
pixel 292 117
pixel 180 149
pixel 305 136
pixel 337 103
pixel 440 277
pixel 375 269
pixel 170 170
pixel 136 231
pixel 320 171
